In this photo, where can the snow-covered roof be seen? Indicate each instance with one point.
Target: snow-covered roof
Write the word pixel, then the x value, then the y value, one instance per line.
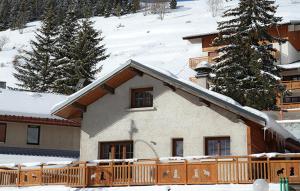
pixel 169 77
pixel 28 104
pixel 293 65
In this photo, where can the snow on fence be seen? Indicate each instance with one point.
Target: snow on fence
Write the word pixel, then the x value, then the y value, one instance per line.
pixel 170 171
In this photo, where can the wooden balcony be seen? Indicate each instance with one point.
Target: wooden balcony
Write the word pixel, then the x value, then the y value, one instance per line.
pixel 291 85
pixel 193 62
pixel 284 106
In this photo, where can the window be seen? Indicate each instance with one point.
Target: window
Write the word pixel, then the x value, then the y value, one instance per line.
pixel 141 97
pixel 291 99
pixel 219 146
pixel 2 132
pixel 33 135
pixel 116 150
pixel 177 147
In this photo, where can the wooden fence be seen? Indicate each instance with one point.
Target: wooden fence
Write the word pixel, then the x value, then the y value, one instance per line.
pixel 239 170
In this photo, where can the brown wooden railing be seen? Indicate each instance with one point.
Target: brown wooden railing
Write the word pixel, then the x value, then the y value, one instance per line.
pixel 291 85
pixel 193 62
pixel 154 172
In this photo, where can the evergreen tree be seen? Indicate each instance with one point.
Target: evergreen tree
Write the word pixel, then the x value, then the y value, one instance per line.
pixel 173 4
pixel 118 10
pixel 64 51
pixel 100 7
pixel 4 12
pixel 135 5
pixel 36 68
pixel 87 54
pixel 245 69
pixel 23 14
pixel 108 8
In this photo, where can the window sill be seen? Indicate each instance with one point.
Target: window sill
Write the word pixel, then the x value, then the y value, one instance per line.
pixel 141 109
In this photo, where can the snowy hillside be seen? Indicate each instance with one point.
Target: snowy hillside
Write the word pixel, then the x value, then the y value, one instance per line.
pixel 143 38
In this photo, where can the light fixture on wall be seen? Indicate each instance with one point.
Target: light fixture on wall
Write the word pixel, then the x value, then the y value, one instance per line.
pixel 152 142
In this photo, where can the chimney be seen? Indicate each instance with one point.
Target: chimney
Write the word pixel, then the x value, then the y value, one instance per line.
pixel 2 85
pixel 203 69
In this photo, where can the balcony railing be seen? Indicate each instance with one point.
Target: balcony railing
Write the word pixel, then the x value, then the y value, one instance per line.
pixel 289 105
pixel 193 62
pixel 291 85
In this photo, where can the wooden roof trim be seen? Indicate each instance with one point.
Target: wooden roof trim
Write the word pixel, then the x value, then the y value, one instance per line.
pixel 37 120
pixel 87 90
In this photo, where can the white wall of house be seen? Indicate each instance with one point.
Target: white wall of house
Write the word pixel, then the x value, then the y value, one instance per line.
pixel 288 53
pixel 51 136
pixel 175 115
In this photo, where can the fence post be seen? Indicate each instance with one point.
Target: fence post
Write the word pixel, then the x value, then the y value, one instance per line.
pixel 68 174
pixel 128 173
pixel 41 175
pixel 186 171
pixel 269 170
pixel 237 170
pixel 250 169
pixel 156 171
pixel 112 173
pixel 19 175
pixel 84 174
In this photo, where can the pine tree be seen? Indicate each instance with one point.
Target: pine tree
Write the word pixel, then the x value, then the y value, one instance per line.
pixel 64 51
pixel 36 69
pixel 100 7
pixel 108 8
pixel 245 69
pixel 135 5
pixel 83 58
pixel 88 53
pixel 118 10
pixel 4 12
pixel 173 4
pixel 23 15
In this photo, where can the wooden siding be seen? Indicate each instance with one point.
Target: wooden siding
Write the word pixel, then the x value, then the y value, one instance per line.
pixel 279 31
pixel 291 85
pixel 260 141
pixel 210 170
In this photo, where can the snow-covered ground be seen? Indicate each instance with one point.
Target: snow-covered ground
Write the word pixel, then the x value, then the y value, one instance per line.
pixel 228 187
pixel 146 39
pixel 18 159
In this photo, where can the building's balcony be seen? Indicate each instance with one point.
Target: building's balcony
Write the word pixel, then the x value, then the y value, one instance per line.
pixel 291 85
pixel 285 106
pixel 193 62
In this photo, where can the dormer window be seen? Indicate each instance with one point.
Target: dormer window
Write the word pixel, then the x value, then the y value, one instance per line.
pixel 142 97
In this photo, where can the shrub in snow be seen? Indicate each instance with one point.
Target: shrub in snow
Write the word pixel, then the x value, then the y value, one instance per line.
pixel 3 41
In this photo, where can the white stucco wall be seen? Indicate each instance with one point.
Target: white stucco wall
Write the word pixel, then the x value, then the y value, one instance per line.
pixel 176 115
pixel 51 136
pixel 288 53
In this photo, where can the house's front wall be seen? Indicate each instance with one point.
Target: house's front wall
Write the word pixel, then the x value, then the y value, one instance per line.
pixel 288 53
pixel 175 115
pixel 51 136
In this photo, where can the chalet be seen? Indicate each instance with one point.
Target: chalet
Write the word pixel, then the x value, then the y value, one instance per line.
pixel 140 111
pixel 288 59
pixel 28 128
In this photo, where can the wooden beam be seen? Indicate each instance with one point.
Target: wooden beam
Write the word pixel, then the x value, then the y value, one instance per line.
pixel 138 72
pixel 204 102
pixel 108 88
pixel 173 88
pixel 79 106
pixel 75 116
